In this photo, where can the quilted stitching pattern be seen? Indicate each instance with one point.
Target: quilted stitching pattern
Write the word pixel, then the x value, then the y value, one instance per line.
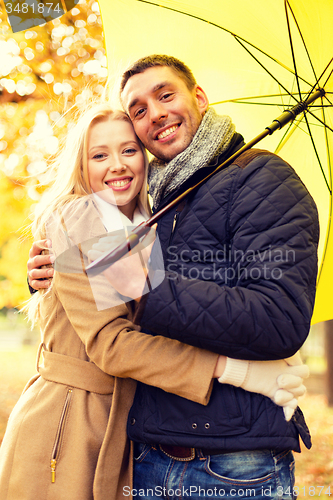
pixel 261 212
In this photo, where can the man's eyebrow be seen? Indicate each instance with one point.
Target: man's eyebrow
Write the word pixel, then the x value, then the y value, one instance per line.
pixel 157 87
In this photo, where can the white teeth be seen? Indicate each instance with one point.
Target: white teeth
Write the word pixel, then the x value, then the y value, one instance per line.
pixel 120 183
pixel 167 132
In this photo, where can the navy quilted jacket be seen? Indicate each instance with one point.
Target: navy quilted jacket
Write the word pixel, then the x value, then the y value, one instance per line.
pixel 241 261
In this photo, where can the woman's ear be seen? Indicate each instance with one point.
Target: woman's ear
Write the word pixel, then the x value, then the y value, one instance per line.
pixel 202 99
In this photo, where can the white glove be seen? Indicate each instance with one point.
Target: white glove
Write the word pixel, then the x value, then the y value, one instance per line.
pixel 277 380
pixel 105 244
pixel 286 382
pixel 129 274
pixel 113 240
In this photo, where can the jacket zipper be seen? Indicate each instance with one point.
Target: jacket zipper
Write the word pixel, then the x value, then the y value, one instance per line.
pixel 59 435
pixel 179 210
pixel 174 222
pixel 175 218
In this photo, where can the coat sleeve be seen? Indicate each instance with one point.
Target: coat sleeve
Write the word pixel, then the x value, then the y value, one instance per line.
pixel 262 308
pixel 117 346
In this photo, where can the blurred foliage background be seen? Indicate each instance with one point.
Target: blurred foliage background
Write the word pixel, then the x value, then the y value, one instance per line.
pixel 44 71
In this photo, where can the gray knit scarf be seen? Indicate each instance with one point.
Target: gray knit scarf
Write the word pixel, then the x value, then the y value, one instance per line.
pixel 211 139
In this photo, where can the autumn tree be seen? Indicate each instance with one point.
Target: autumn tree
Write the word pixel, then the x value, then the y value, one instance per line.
pixel 44 71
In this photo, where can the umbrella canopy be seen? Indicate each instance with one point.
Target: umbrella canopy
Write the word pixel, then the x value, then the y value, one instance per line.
pixel 253 59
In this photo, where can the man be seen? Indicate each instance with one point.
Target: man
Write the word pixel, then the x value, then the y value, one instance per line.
pixel 240 269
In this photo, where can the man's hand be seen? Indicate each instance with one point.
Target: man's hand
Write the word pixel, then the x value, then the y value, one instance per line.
pixel 39 276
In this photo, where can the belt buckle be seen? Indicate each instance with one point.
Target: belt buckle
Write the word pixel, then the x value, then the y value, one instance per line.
pixel 179 459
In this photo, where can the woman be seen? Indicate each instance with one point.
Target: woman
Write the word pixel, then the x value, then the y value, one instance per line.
pixel 66 437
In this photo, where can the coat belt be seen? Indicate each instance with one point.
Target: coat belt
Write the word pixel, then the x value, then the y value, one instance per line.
pixel 74 372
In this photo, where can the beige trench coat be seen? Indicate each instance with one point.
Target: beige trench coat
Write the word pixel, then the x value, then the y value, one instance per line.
pixel 66 437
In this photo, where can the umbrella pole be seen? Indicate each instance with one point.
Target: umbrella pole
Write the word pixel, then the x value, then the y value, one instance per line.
pixel 137 233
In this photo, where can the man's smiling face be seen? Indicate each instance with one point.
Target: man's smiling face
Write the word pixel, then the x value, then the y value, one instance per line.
pixel 164 112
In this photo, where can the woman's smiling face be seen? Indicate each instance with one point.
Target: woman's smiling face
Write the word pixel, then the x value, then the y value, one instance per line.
pixel 116 163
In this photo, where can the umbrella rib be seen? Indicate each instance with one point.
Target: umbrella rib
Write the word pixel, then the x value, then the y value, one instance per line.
pixel 328 148
pixel 317 80
pixel 239 101
pixel 316 153
pixel 330 209
pixel 260 64
pixel 329 76
pixel 244 100
pixel 286 5
pixel 301 35
pixel 320 121
pixel 237 37
pixel 259 50
pixel 327 105
pixel 327 99
pixel 283 137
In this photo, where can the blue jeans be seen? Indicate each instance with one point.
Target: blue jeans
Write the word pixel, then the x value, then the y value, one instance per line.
pixel 260 474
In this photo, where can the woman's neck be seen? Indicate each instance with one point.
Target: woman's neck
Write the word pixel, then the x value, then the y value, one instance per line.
pixel 128 210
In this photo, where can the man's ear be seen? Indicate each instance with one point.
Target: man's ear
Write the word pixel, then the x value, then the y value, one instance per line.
pixel 202 99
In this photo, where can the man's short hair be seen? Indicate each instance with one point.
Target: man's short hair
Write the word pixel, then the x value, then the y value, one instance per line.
pixel 159 60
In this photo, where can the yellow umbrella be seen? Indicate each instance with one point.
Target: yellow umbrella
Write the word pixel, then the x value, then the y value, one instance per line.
pixel 253 59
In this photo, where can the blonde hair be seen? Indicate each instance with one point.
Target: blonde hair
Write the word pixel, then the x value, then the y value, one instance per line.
pixel 71 180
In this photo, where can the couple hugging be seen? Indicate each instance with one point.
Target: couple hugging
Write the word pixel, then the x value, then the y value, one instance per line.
pixel 193 386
